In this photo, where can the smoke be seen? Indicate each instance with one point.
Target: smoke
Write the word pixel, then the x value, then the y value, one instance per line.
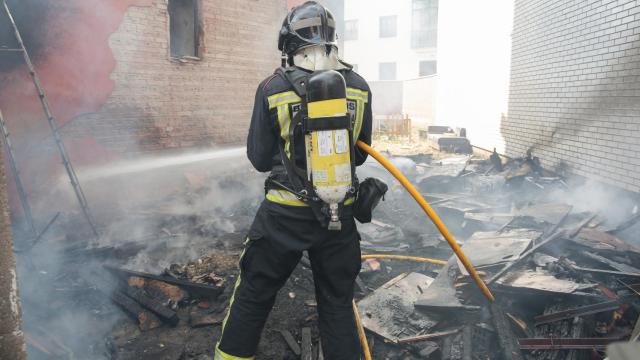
pixel 611 204
pixel 152 212
pixel 32 17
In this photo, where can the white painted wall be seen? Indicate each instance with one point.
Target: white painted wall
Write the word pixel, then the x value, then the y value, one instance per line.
pixel 474 59
pixel 370 50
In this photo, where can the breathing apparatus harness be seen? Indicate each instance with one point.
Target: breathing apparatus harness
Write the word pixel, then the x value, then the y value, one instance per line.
pixel 329 179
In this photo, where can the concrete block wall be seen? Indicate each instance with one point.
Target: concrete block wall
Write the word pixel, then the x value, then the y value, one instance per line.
pixel 159 103
pixel 575 87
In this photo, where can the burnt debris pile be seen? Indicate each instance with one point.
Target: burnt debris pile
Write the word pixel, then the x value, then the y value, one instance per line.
pixel 561 256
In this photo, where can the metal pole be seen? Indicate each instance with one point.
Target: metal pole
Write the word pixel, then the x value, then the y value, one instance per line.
pixel 52 124
pixel 22 194
pixel 12 344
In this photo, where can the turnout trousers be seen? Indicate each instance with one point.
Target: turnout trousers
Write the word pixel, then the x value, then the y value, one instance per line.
pixel 273 249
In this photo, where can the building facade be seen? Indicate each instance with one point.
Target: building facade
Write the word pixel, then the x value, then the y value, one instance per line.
pixel 131 78
pixel 575 94
pixel 186 74
pixel 391 40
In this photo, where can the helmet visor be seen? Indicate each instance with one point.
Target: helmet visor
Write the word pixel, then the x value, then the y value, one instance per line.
pixel 312 30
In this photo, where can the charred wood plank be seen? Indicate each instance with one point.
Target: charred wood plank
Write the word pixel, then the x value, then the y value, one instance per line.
pixel 579 311
pixel 605 272
pixel 165 314
pixel 566 343
pixel 146 319
pixel 427 336
pixel 193 288
pixel 615 265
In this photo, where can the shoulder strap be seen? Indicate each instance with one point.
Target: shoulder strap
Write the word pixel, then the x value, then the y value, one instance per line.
pixel 296 77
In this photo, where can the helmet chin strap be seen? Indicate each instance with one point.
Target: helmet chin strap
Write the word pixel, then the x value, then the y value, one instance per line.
pixel 314 58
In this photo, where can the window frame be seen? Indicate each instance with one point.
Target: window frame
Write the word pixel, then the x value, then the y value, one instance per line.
pixel 435 67
pixel 355 31
pixel 422 11
pixel 198 34
pixel 381 28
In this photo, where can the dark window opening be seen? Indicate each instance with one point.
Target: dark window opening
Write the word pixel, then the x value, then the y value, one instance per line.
pixel 429 67
pixel 388 26
pixel 351 30
pixel 184 28
pixel 424 25
pixel 387 71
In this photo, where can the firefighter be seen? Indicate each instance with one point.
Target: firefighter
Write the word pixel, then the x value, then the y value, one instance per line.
pixel 306 120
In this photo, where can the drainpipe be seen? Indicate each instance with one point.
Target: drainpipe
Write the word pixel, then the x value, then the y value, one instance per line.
pixel 12 344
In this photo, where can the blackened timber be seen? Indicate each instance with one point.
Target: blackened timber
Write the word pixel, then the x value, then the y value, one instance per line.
pixel 193 288
pixel 166 315
pixel 508 340
pixel 425 337
pixel 580 311
pixel 566 343
pixel 131 307
pixel 615 265
pixel 605 272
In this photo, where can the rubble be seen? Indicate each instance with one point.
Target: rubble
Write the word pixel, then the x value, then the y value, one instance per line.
pixel 389 311
pixel 558 271
pixel 566 278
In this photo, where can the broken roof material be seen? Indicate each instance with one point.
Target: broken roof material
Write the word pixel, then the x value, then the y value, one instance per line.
pixel 541 280
pixel 492 247
pixel 389 311
pixel 441 294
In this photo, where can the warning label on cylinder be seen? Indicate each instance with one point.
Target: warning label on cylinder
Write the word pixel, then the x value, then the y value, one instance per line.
pixel 342 141
pixel 320 175
pixel 343 172
pixel 325 143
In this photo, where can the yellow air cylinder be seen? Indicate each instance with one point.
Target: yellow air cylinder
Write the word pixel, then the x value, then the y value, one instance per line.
pixel 328 140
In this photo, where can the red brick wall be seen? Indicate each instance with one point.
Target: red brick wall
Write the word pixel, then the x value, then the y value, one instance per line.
pixel 161 104
pixel 112 86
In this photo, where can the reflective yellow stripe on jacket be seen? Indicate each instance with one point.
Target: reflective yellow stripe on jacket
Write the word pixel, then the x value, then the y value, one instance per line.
pixel 285 197
pixel 281 102
pixel 220 355
pixel 361 98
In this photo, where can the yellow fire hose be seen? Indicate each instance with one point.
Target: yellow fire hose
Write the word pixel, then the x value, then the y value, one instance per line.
pixel 363 337
pixel 402 257
pixel 438 223
pixel 432 215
